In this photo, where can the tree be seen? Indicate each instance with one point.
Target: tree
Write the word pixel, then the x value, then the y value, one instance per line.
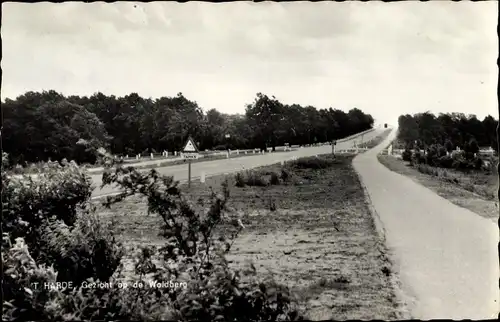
pixel 39 126
pixel 264 116
pixel 449 146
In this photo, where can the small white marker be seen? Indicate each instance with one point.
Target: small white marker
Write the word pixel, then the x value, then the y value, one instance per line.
pixel 202 177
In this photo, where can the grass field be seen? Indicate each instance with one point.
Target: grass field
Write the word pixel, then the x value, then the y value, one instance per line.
pixel 475 191
pixel 314 233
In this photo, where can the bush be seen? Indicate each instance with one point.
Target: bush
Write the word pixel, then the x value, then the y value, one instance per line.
pixel 478 163
pixel 24 298
pixel 254 178
pixel 88 250
pixel 214 290
pixel 418 158
pixel 275 180
pixel 220 147
pixel 472 146
pixel 285 175
pixel 445 162
pixel 312 163
pixel 442 152
pixel 448 145
pixel 5 161
pixel 240 180
pixel 406 155
pixel 192 255
pixel 51 222
pixel 29 203
pixel 461 161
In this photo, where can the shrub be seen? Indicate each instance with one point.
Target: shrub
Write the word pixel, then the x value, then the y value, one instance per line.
pixel 51 222
pixel 88 250
pixel 28 203
pixel 5 161
pixel 275 180
pixel 220 147
pixel 442 152
pixel 285 175
pixel 461 162
pixel 192 254
pixel 312 163
pixel 254 178
pixel 406 155
pixel 472 146
pixel 240 180
pixel 448 145
pixel 445 162
pixel 418 157
pixel 214 290
pixel 272 205
pixel 24 297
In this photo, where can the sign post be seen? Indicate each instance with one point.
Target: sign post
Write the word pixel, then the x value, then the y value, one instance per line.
pixel 190 152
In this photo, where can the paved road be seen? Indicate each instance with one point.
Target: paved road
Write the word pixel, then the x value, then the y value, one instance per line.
pixel 211 168
pixel 146 161
pixel 446 255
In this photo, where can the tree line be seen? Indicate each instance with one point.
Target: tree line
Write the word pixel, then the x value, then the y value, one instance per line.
pixel 38 126
pixel 450 130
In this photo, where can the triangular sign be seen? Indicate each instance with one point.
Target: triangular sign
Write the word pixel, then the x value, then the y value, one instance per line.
pixel 190 146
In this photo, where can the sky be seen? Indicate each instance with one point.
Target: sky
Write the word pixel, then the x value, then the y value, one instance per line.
pixel 386 59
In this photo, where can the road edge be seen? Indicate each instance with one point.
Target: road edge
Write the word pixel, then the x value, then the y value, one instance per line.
pixel 403 301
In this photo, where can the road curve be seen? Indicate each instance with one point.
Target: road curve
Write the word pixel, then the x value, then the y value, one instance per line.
pixel 446 255
pixel 216 167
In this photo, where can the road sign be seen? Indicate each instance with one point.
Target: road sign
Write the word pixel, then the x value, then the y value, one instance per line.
pixel 190 146
pixel 190 152
pixel 190 156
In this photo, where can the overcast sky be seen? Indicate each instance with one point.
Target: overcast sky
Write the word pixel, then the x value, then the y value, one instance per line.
pixel 384 58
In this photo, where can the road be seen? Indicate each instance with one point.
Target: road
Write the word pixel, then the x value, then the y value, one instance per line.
pixel 216 167
pixel 446 255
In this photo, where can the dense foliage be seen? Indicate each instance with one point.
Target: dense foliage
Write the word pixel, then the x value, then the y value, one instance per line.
pixel 52 234
pixel 447 130
pixel 434 140
pixel 39 126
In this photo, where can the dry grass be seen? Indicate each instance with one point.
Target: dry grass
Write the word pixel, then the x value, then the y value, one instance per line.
pixel 320 239
pixel 474 191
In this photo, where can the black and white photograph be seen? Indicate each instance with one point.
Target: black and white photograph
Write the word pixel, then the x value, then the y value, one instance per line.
pixel 250 161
